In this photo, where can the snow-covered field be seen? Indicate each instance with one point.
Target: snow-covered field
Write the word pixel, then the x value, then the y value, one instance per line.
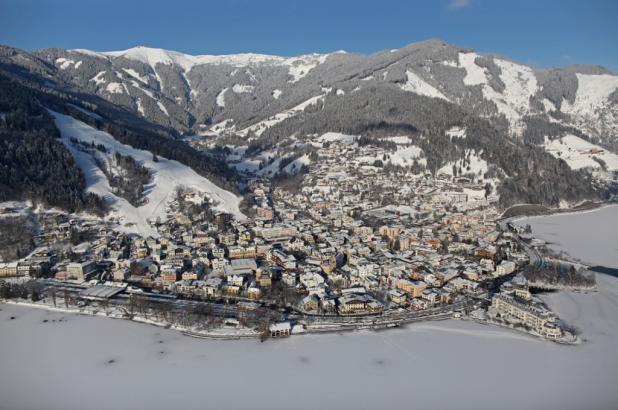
pixel 579 153
pixel 476 165
pixel 519 85
pixel 167 176
pixel 591 237
pixel 260 127
pixel 417 85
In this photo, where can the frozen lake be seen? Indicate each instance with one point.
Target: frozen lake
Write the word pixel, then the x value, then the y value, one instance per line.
pixel 591 237
pixel 79 362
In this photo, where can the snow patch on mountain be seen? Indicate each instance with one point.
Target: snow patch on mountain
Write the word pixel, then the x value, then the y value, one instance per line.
pixel 65 63
pixel 579 153
pixel 592 91
pixel 114 88
pixel 520 84
pixel 406 155
pixel 417 85
pixel 145 91
pixel 140 107
pixel 299 67
pixel 471 163
pixel 98 79
pixel 548 105
pixel 220 100
pixel 135 75
pixel 400 139
pixel 450 63
pixel 162 108
pixel 592 111
pixel 276 94
pixel 242 88
pixel 221 127
pixel 295 166
pixel 337 137
pixel 475 75
pixel 87 52
pixel 262 126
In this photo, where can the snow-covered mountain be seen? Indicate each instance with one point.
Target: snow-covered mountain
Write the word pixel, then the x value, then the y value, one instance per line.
pixel 191 93
pixel 450 100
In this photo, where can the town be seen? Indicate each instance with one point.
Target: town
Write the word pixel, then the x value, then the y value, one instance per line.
pixel 349 245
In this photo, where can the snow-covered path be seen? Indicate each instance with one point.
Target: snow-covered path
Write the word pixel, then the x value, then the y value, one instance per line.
pixel 167 176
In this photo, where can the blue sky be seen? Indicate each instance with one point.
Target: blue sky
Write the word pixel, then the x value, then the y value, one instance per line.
pixel 542 32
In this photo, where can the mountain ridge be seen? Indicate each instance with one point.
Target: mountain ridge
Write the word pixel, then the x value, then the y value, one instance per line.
pixel 270 104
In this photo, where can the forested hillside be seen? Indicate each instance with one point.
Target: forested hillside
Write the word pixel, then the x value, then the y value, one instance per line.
pixel 33 164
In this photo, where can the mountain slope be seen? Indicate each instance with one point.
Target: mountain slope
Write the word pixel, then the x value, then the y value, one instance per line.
pixel 167 176
pixel 508 114
pixel 187 92
pixel 36 166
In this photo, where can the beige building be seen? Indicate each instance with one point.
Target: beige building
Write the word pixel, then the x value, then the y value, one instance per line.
pixel 79 270
pixel 541 321
pixel 414 288
pixel 8 269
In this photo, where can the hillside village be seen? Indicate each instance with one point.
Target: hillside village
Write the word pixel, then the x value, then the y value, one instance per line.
pixel 347 246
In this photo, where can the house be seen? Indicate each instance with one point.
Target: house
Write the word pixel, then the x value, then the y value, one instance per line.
pixel 264 277
pixel 487 265
pixel 540 320
pixel 414 288
pixel 170 273
pixel 231 290
pixel 79 270
pixel 329 305
pixel 241 252
pixel 289 279
pixel 189 275
pixel 212 286
pixel 358 304
pixel 310 303
pixel 281 329
pixel 432 296
pixel 397 296
pixel 218 252
pixel 120 275
pixel 505 268
pixel 254 292
pixel 8 269
pixel 241 267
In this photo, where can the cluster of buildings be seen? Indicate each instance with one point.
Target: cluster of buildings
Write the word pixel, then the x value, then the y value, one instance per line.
pixel 350 240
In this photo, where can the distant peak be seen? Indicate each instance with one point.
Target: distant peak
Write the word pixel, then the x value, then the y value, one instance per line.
pixel 153 56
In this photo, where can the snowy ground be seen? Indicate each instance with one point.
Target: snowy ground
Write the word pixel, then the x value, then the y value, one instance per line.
pixel 579 153
pixel 167 176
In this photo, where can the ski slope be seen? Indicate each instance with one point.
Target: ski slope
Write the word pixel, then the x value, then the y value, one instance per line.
pixel 167 176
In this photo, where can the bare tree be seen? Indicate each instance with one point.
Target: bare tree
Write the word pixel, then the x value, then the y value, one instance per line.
pixel 52 294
